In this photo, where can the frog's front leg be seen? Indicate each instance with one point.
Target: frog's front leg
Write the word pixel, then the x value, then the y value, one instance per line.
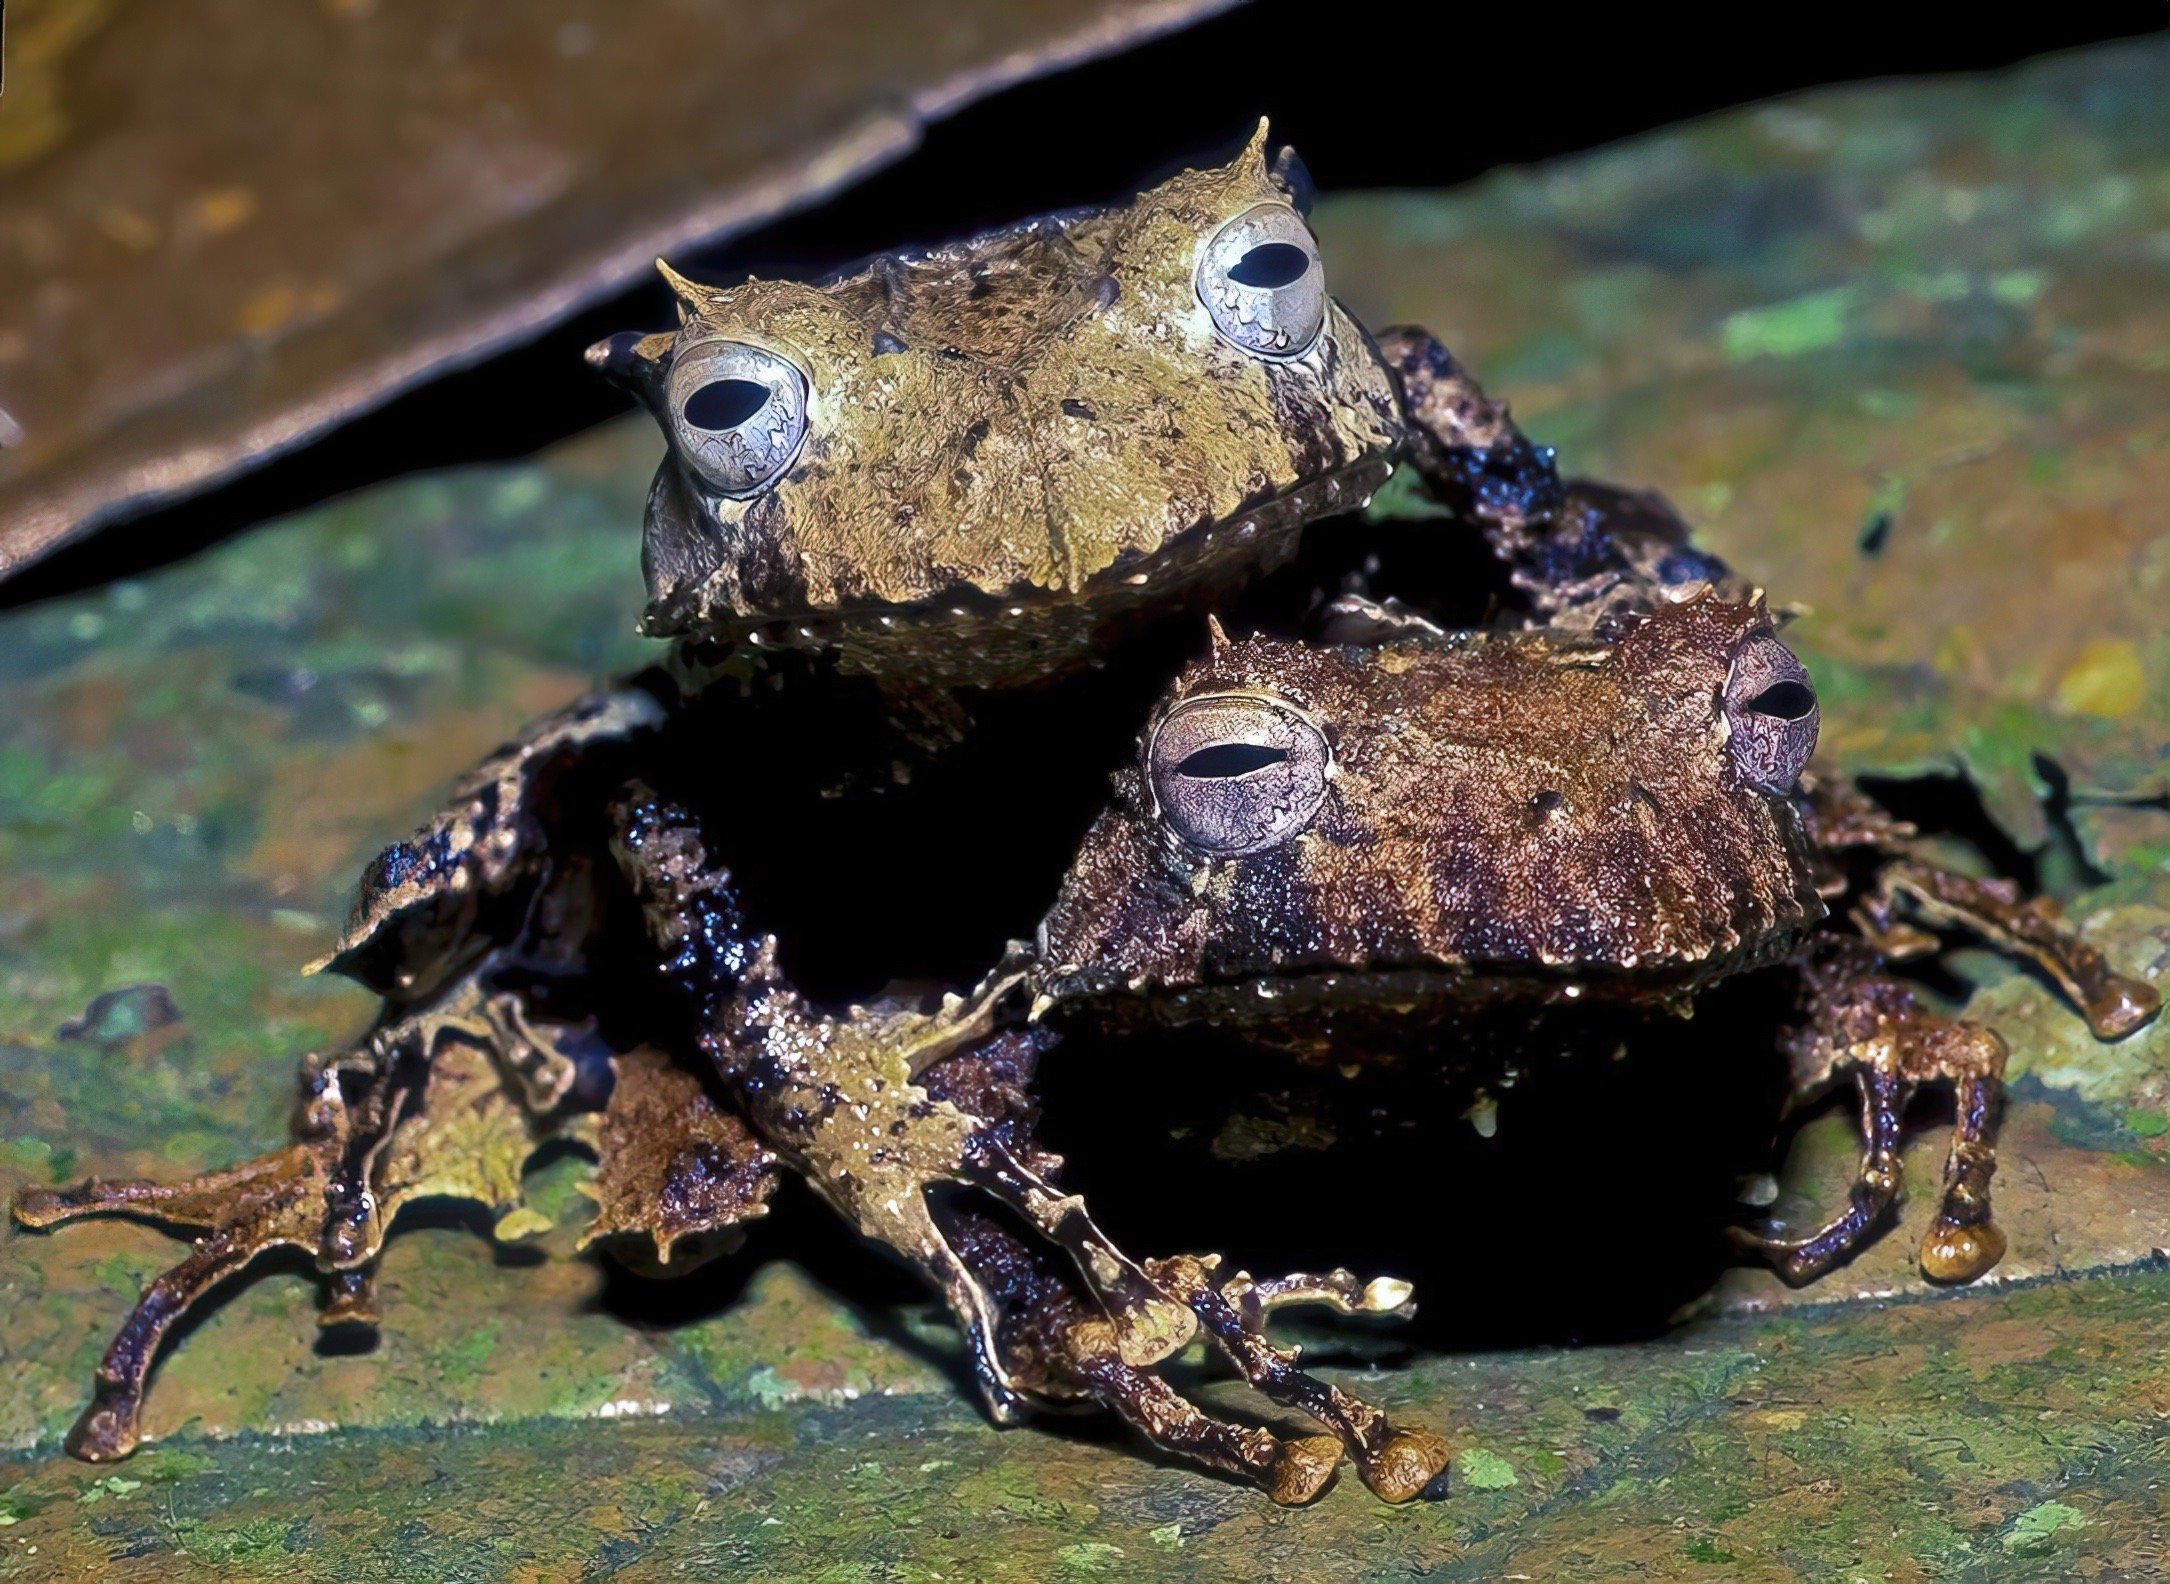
pixel 2113 1004
pixel 1465 445
pixel 1582 554
pixel 1874 1030
pixel 1059 1347
pixel 884 1112
pixel 838 1099
pixel 992 1080
pixel 416 1108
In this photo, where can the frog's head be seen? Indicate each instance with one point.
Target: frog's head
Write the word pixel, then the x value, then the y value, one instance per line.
pixel 1077 413
pixel 1514 811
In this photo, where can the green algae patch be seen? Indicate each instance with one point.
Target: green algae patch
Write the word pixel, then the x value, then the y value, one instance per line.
pixel 1480 1469
pixel 2036 1530
pixel 1902 1440
pixel 460 1361
pixel 1093 1557
pixel 1806 324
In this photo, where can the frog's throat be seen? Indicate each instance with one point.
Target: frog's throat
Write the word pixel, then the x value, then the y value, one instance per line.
pixel 1401 992
pixel 1058 626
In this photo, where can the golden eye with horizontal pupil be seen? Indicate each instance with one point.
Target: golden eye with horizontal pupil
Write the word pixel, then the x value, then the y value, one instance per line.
pixel 1236 773
pixel 1770 708
pixel 738 414
pixel 1261 280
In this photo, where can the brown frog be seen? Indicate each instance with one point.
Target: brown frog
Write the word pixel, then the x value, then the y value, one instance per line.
pixel 1372 839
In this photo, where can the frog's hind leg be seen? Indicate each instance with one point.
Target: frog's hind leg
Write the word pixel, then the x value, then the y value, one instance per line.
pixel 419 1108
pixel 1876 1030
pixel 1396 1464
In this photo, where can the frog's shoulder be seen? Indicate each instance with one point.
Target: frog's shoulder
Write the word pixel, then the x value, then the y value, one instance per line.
pixel 418 897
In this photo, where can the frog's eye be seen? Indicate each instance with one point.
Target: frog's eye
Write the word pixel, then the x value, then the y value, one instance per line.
pixel 1261 281
pixel 1771 707
pixel 739 412
pixel 1236 773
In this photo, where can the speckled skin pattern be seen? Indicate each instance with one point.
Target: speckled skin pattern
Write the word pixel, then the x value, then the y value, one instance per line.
pixel 1514 809
pixel 1023 433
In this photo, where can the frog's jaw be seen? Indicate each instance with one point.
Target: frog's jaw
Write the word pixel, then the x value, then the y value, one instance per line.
pixel 967 635
pixel 1406 997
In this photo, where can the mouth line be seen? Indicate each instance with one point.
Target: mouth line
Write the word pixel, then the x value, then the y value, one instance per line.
pixel 1401 990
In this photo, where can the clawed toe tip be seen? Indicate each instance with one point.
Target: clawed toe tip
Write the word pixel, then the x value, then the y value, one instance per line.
pixel 2124 1006
pixel 1957 1254
pixel 105 1434
pixel 1303 1470
pixel 44 1207
pixel 1793 1265
pixel 1407 1466
pixel 1387 1295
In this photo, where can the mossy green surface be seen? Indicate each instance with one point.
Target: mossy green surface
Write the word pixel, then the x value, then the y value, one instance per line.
pixel 1936 308
pixel 2020 1435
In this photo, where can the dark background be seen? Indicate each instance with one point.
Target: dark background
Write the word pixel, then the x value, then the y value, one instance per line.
pixel 1372 95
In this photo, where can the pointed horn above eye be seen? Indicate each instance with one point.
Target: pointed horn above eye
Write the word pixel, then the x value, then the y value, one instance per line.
pixel 691 294
pixel 1217 637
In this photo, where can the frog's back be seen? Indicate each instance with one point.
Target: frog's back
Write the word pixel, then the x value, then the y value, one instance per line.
pixel 1008 441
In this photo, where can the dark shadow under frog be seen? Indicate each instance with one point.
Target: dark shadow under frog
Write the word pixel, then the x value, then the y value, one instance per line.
pixel 959 472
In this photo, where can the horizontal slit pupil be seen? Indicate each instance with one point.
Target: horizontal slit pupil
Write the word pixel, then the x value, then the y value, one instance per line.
pixel 1786 700
pixel 725 403
pixel 1225 760
pixel 1270 264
